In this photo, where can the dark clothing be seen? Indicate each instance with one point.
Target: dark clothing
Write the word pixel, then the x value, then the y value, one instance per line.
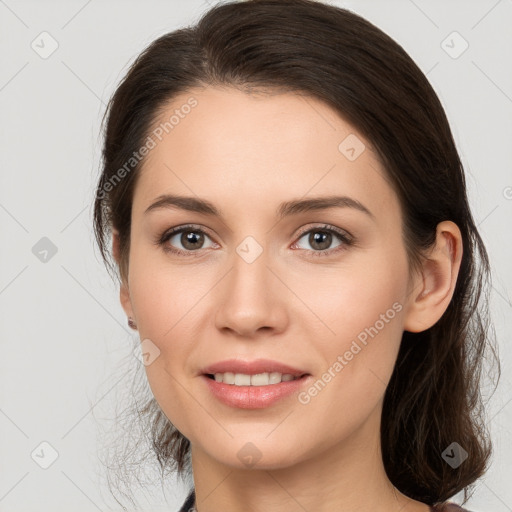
pixel 189 502
pixel 446 507
pixel 449 507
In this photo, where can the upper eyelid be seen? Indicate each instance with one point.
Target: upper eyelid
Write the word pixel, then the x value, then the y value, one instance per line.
pixel 325 227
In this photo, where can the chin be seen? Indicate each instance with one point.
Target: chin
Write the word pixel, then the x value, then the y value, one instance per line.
pixel 257 453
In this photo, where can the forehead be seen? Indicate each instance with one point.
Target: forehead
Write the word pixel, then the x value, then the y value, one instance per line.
pixel 235 147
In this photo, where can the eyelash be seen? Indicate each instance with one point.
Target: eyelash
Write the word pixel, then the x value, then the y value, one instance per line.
pixel 345 238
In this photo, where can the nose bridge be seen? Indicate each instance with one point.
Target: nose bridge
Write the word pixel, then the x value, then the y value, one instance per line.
pixel 250 293
pixel 250 273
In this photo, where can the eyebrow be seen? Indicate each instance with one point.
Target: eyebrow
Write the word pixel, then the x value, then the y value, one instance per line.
pixel 194 204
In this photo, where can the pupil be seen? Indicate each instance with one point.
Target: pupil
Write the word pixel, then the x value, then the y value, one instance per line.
pixel 190 240
pixel 317 238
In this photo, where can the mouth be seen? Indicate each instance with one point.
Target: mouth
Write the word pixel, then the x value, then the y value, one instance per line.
pixel 258 379
pixel 257 372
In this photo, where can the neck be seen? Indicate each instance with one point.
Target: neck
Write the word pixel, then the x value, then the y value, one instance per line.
pixel 346 477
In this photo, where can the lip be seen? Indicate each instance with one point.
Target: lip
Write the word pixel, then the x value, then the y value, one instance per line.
pixel 252 367
pixel 253 397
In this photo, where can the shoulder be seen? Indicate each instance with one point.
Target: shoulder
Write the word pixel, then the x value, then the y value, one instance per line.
pixel 449 507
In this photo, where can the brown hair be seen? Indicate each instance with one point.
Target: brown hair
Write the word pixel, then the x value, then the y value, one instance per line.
pixel 434 395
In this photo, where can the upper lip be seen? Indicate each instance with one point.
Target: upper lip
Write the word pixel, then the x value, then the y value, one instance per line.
pixel 251 367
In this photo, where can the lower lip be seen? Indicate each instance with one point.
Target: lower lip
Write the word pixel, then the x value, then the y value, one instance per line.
pixel 253 397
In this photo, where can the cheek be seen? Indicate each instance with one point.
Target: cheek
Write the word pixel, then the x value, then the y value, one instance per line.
pixel 367 291
pixel 164 297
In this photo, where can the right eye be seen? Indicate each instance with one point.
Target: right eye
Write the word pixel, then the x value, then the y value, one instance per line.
pixel 190 237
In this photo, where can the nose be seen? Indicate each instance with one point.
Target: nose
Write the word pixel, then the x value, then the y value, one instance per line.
pixel 252 299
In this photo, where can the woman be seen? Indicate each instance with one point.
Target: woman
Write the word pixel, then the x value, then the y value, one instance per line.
pixel 296 250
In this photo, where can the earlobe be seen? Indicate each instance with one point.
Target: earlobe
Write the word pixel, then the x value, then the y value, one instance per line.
pixel 124 297
pixel 436 282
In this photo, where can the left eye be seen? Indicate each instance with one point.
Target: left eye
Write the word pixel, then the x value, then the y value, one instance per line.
pixel 320 239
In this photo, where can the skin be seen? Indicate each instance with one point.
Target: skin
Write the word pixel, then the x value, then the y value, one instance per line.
pixel 247 153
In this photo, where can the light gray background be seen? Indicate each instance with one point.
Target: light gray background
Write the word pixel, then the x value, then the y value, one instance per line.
pixel 63 332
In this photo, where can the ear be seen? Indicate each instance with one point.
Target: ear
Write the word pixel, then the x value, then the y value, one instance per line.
pixel 434 286
pixel 124 292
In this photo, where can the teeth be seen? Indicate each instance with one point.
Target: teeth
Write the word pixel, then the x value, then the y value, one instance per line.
pixel 260 379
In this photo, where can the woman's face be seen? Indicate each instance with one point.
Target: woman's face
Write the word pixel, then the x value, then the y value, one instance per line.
pixel 253 284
